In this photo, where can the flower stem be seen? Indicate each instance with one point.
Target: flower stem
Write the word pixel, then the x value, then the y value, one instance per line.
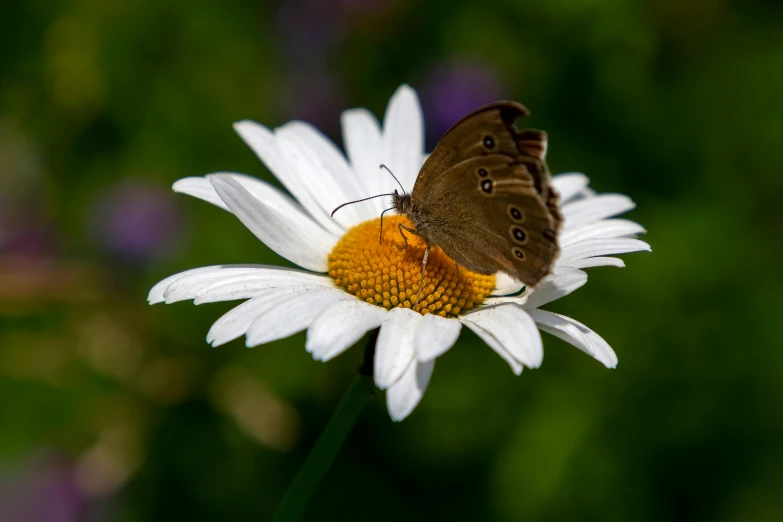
pixel 325 450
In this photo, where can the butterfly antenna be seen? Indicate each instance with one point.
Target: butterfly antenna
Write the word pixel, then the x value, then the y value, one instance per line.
pixel 358 201
pixel 395 177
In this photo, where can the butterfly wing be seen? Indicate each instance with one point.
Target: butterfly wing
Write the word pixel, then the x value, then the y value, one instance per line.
pixel 490 130
pixel 486 214
pixel 472 225
pixel 468 137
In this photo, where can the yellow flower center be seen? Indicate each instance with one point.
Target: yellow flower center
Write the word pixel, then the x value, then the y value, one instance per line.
pixel 388 274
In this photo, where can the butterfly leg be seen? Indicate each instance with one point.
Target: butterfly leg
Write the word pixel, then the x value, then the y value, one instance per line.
pixel 423 273
pixel 380 232
pixel 402 227
pixel 456 267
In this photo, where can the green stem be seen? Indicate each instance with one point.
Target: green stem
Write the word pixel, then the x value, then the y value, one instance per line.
pixel 325 450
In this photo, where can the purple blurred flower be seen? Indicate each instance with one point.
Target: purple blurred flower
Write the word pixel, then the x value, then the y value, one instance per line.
pixel 45 491
pixel 137 220
pixel 453 90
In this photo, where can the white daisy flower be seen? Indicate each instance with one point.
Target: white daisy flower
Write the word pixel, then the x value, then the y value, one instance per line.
pixel 351 283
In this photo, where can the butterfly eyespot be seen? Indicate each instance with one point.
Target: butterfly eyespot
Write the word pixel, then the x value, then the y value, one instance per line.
pixel 487 186
pixel 518 253
pixel 516 214
pixel 483 173
pixel 518 234
pixel 489 142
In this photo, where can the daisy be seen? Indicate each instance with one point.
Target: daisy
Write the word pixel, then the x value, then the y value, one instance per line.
pixel 351 283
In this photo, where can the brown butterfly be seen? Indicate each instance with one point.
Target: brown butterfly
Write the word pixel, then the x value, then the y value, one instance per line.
pixel 484 196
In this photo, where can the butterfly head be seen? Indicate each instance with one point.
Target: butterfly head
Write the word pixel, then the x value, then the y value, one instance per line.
pixel 402 202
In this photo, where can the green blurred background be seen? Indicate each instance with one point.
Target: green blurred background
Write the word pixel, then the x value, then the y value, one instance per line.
pixel 111 410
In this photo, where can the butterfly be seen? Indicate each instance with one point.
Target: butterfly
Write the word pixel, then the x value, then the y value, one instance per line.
pixel 485 197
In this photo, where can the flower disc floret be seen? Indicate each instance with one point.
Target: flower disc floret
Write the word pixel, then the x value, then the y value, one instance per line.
pixel 386 273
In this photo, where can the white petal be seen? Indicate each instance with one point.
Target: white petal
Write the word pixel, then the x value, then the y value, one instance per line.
pixel 577 334
pixel 561 282
pixel 329 156
pixel 340 326
pixel 269 195
pixel 294 240
pixel 496 345
pixel 246 286
pixel 236 321
pixel 598 261
pixel 604 229
pixel 157 292
pixel 592 209
pixel 569 185
pixel 364 145
pixel 331 162
pixel 403 137
pixel 191 283
pixel 599 247
pixel 262 141
pixel 514 330
pixel 394 349
pixel 505 284
pixel 199 187
pixel 292 313
pixel 434 336
pixel 515 299
pixel 405 394
pixel 300 152
pixel 187 287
